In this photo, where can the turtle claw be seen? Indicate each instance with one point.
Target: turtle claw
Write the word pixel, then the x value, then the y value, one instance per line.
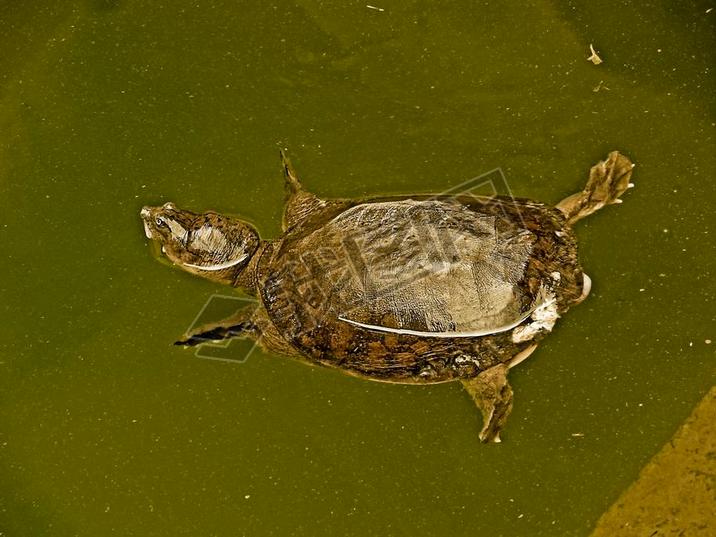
pixel 193 341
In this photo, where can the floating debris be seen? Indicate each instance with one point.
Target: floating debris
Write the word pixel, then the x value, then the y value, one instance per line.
pixel 594 58
pixel 374 7
pixel 600 86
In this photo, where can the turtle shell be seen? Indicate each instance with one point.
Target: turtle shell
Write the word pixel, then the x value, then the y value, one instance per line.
pixel 432 276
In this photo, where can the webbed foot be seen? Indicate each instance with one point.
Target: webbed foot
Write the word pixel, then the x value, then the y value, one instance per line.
pixel 608 180
pixel 492 394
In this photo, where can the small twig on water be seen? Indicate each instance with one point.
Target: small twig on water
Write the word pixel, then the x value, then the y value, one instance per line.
pixel 594 58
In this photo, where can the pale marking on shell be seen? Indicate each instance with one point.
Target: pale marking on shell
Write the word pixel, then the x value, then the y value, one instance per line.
pixel 465 359
pixel 475 333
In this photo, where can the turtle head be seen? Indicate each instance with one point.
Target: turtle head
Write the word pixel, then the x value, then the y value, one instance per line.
pixel 211 245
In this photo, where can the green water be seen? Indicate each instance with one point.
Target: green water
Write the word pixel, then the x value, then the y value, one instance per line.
pixel 106 429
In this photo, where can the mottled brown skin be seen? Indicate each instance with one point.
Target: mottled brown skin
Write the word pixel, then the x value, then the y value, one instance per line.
pixel 209 239
pixel 288 322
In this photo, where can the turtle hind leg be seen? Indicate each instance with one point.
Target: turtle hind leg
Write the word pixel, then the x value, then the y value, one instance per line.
pixel 608 180
pixel 492 394
pixel 239 323
pixel 299 203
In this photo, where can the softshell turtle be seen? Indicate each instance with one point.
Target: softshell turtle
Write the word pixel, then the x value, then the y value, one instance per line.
pixel 412 289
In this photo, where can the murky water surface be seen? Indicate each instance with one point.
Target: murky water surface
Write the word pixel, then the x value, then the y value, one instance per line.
pixel 105 106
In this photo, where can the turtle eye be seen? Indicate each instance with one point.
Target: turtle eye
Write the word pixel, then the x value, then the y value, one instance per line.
pixel 160 221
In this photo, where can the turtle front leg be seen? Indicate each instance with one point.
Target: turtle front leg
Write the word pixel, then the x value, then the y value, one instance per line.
pixel 492 394
pixel 299 202
pixel 608 180
pixel 239 323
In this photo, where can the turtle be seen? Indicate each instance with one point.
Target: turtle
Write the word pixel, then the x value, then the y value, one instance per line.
pixel 414 289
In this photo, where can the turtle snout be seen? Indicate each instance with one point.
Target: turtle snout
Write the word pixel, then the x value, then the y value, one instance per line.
pixel 146 214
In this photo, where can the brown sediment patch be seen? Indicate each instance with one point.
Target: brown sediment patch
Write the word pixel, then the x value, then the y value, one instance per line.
pixel 675 493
